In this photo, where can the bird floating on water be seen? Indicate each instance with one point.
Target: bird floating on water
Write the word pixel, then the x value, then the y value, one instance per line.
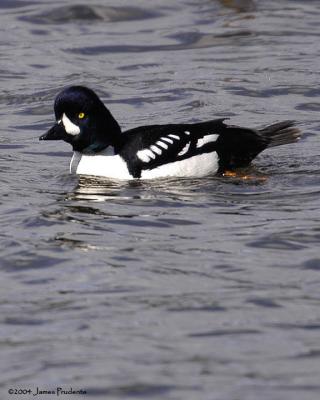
pixel 155 151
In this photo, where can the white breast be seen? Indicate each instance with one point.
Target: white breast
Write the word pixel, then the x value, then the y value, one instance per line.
pixel 108 166
pixel 114 167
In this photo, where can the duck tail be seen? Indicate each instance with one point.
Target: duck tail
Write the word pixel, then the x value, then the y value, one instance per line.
pixel 281 133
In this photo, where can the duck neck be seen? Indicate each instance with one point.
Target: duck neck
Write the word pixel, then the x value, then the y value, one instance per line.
pixel 112 138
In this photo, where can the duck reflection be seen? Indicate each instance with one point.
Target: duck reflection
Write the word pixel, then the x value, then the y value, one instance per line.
pixel 100 190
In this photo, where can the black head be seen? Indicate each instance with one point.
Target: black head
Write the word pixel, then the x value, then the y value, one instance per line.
pixel 83 121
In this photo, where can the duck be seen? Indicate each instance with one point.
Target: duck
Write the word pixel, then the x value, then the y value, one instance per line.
pixel 181 150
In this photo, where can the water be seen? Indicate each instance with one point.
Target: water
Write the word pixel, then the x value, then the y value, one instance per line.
pixel 181 289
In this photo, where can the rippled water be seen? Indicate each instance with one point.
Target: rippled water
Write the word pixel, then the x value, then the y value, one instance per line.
pixel 180 289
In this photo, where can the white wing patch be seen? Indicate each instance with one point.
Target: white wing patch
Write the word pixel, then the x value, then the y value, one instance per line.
pixel 165 139
pixel 161 144
pixel 207 139
pixel 156 149
pixel 174 136
pixel 69 126
pixel 146 155
pixel 184 150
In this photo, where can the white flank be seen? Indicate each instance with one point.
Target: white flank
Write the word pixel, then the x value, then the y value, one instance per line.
pixel 193 167
pixel 156 149
pixel 187 132
pixel 174 136
pixel 184 150
pixel 161 144
pixel 69 126
pixel 207 139
pixel 165 139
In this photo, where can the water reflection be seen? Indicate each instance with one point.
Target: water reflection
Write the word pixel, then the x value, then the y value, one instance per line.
pixel 89 13
pixel 239 5
pixel 100 189
pixel 186 40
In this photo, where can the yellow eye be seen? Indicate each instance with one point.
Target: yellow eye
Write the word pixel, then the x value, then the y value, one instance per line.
pixel 81 115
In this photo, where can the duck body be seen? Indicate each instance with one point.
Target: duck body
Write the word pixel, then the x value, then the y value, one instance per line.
pixel 114 167
pixel 155 151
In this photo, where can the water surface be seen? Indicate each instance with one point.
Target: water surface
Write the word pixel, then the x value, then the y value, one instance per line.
pixel 175 289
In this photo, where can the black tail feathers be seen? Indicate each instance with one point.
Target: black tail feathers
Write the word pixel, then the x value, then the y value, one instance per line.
pixel 281 133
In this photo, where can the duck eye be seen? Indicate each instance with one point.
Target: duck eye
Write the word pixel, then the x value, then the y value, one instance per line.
pixel 81 115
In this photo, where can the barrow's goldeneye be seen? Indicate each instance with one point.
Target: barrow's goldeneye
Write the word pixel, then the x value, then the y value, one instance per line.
pixel 155 151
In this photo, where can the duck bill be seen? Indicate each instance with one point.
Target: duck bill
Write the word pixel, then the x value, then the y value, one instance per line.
pixel 57 132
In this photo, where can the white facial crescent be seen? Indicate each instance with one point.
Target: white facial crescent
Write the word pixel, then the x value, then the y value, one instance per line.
pixel 69 126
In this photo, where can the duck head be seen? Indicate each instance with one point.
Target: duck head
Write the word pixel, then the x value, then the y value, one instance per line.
pixel 83 121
